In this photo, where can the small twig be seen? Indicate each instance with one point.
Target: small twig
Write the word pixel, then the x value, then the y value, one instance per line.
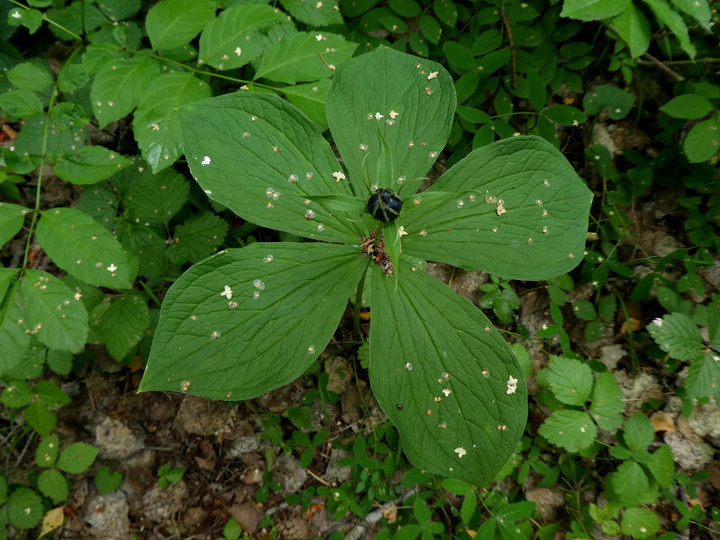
pixel 506 22
pixel 674 74
pixel 376 515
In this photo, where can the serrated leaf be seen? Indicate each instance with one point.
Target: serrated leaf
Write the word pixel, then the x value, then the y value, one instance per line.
pixel 84 249
pixel 593 10
pixel 638 432
pixel 118 86
pixel 662 466
pixel 47 451
pixel 615 101
pixel 703 378
pixel 157 198
pixel 53 313
pixel 432 350
pixel 259 156
pixel 629 483
pixel 390 115
pixel 89 165
pixel 197 238
pixel 634 28
pixel 313 12
pixel 607 402
pixel 565 115
pixel 248 320
pixel 21 103
pixel 697 9
pixel 571 430
pixel 17 394
pixel 672 19
pixel 12 217
pixel 14 334
pixel 123 325
pixel 688 106
pixel 518 198
pixel 24 508
pixel 118 10
pixel 52 484
pixel 156 123
pixel 677 335
pixel 77 458
pixel 640 522
pixel 173 23
pixel 703 140
pixel 304 56
pixel 571 381
pixel 234 38
pixel 30 76
pixel 310 99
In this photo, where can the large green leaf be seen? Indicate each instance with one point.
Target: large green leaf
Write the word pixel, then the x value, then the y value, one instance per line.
pixel 677 335
pixel 117 88
pixel 390 115
pixel 173 23
pixel 445 377
pixel 571 430
pixel 248 320
pixel 304 56
pixel 259 156
pixel 634 28
pixel 156 123
pixel 235 37
pixel 674 21
pixel 703 378
pixel 518 200
pixel 89 165
pixel 54 312
pixel 703 140
pixel 607 402
pixel 84 249
pixel 313 12
pixel 571 381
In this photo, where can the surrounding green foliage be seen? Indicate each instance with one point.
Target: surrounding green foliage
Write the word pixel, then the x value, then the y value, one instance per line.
pixel 100 221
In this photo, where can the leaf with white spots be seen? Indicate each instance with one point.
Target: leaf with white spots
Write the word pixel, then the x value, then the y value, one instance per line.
pixel 89 165
pixel 173 23
pixel 703 378
pixel 615 101
pixel 570 380
pixel 310 99
pixel 440 371
pixel 84 249
pixel 390 117
pixel 640 522
pixel 703 140
pixel 157 198
pixel 235 37
pixel 59 320
pixel 12 217
pixel 156 123
pixel 118 86
pixel 314 12
pixel 521 212
pixel 123 324
pixel 607 402
pixel 13 336
pixel 677 335
pixel 24 508
pixel 286 302
pixel 259 156
pixel 197 238
pixel 568 429
pixel 302 57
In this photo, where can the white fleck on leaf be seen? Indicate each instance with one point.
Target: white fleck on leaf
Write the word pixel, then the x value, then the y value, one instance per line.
pixel 460 451
pixel 227 292
pixel 205 161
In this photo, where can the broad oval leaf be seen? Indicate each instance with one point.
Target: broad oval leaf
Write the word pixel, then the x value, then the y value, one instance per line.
pixel 571 430
pixel 12 217
pixel 156 123
pixel 14 334
pixel 89 165
pixel 390 115
pixel 607 402
pixel 248 320
pixel 84 249
pixel 304 56
pixel 54 312
pixel 593 10
pixel 445 377
pixel 571 381
pixel 77 458
pixel 173 23
pixel 259 156
pixel 518 200
pixel 234 38
pixel 677 335
pixel 314 13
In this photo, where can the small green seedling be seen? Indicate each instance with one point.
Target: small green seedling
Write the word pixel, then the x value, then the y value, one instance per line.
pixel 169 475
pixel 245 321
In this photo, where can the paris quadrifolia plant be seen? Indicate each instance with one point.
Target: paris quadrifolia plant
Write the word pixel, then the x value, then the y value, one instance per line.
pixel 248 320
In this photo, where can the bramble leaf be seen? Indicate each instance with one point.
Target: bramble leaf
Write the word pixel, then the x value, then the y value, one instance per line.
pixel 662 466
pixel 518 200
pixel 703 378
pixel 52 484
pixel 84 249
pixel 59 320
pixel 13 328
pixel 571 381
pixel 390 115
pixel 258 155
pixel 640 522
pixel 89 165
pixel 607 402
pixel 157 198
pixel 445 377
pixel 248 320
pixel 638 432
pixel 77 458
pixel 157 123
pixel 197 238
pixel 677 335
pixel 703 140
pixel 304 56
pixel 123 324
pixel 571 430
pixel 24 508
